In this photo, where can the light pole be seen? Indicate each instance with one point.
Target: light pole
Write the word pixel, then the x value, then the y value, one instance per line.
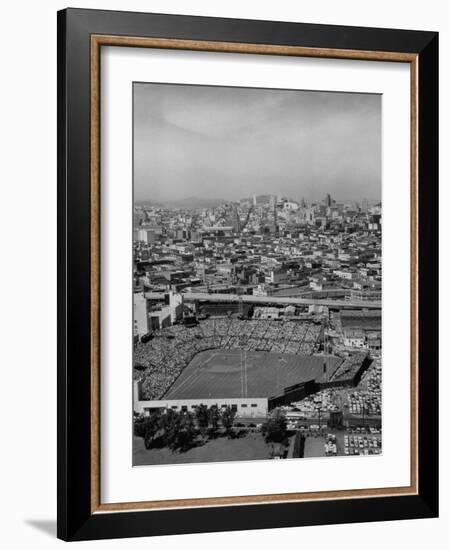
pixel 364 412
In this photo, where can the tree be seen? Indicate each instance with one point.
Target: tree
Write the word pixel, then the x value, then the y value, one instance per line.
pixel 140 426
pixel 167 419
pixel 175 430
pixel 147 427
pixel 227 417
pixel 182 432
pixel 168 425
pixel 202 415
pixel 152 430
pixel 214 418
pixel 299 445
pixel 274 428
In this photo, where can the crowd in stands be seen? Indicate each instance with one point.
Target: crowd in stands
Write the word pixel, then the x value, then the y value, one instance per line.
pixel 159 361
pixel 349 368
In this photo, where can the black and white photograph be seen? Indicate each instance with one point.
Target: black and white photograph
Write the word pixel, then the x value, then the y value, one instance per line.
pixel 257 274
pixel 227 327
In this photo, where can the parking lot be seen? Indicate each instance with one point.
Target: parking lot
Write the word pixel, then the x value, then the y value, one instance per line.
pixel 357 442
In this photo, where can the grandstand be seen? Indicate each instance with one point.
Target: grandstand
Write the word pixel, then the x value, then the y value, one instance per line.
pixel 362 320
pixel 350 371
pixel 251 365
pixel 162 359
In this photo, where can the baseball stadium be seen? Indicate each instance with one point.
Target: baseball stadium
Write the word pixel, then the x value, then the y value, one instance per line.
pixel 251 365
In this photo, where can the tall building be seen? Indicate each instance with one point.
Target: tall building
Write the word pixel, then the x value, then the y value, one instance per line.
pixel 275 217
pixel 147 235
pixel 273 207
pixel 140 314
pixel 160 318
pixel 236 220
pixel 174 301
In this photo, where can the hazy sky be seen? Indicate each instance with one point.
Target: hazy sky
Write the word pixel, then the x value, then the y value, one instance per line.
pixel 222 142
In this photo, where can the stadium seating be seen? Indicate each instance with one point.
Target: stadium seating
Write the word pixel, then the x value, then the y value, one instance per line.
pixel 165 356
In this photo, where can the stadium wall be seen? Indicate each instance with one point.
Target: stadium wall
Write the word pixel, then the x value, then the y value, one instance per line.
pixel 302 390
pixel 245 408
pixel 293 393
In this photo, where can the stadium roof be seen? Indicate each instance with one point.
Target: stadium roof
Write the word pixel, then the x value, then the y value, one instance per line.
pixel 221 374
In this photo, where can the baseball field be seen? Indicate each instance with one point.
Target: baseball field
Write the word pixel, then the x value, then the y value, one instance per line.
pixel 235 373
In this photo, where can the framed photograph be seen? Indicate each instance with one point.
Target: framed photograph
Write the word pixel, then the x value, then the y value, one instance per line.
pixel 247 255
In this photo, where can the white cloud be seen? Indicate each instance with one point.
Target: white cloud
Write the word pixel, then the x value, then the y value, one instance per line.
pixel 233 142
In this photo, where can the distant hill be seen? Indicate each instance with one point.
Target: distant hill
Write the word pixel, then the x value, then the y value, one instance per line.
pixel 188 203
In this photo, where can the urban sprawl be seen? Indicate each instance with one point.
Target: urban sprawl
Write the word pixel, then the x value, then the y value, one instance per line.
pixel 257 329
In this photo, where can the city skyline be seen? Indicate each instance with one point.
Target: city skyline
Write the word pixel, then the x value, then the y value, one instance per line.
pixel 237 199
pixel 211 142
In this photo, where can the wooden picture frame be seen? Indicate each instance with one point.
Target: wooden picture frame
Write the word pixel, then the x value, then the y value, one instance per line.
pixel 81 35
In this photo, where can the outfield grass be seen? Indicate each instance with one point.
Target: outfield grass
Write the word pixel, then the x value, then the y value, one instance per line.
pixel 221 374
pixel 222 449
